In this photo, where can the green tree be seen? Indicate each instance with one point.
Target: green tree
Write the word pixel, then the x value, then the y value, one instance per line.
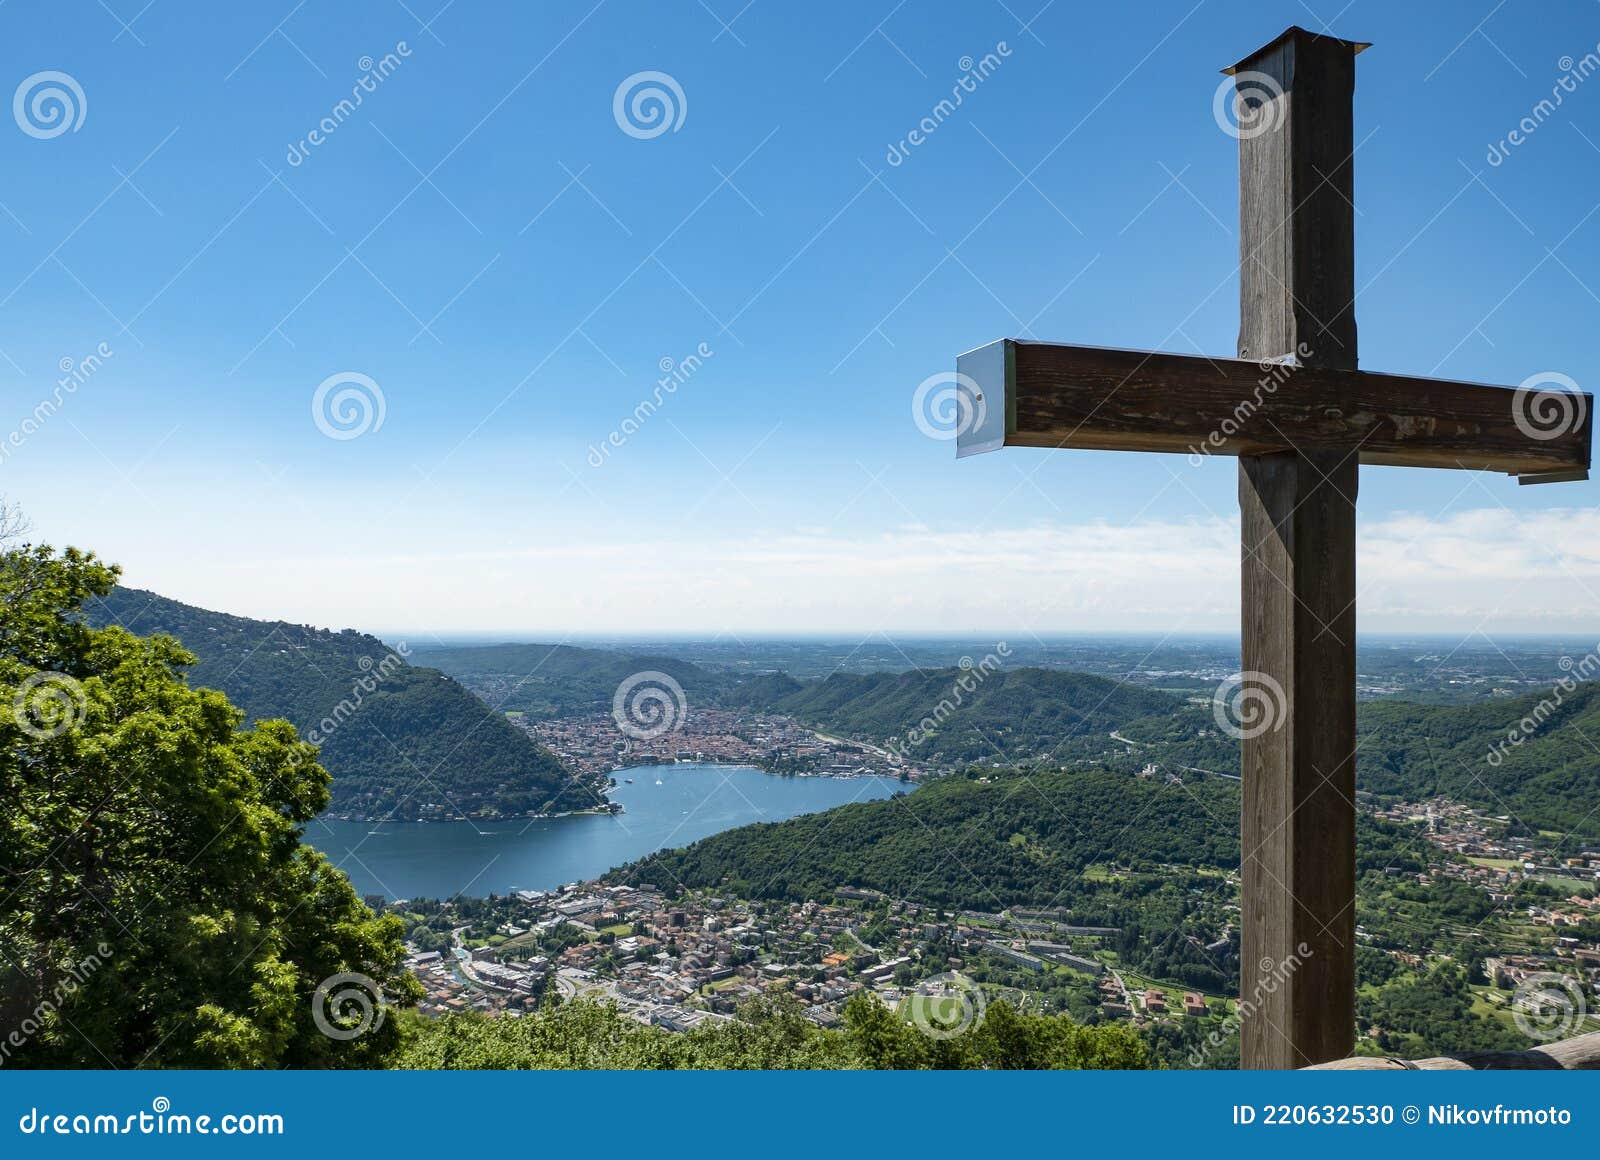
pixel 769 1033
pixel 157 905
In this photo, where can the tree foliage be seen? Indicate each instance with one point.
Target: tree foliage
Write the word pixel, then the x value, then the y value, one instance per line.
pixel 956 715
pixel 157 906
pixel 401 741
pixel 1006 840
pixel 771 1034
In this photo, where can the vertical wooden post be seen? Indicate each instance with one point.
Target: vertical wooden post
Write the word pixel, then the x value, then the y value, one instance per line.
pixel 1297 291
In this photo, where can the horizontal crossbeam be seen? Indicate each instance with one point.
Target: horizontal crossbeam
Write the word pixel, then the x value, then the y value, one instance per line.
pixel 1017 393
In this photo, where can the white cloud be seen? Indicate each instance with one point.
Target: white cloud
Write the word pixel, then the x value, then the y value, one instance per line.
pixel 1487 568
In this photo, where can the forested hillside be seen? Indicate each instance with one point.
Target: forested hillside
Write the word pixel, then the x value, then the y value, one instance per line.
pixel 770 1034
pixel 1534 758
pixel 990 841
pixel 964 842
pixel 1008 715
pixel 159 908
pixel 957 715
pixel 405 742
pixel 557 680
pixel 951 717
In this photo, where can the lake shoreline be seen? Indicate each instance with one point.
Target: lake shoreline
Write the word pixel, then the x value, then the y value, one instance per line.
pixel 611 808
pixel 664 806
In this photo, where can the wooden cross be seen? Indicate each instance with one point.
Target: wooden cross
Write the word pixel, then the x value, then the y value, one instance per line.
pixel 1301 418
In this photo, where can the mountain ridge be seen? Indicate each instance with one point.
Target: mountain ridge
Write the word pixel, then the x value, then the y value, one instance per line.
pixel 1548 780
pixel 403 742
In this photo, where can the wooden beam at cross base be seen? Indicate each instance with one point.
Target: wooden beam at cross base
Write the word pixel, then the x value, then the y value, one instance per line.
pixel 1037 394
pixel 1296 698
pixel 1581 1053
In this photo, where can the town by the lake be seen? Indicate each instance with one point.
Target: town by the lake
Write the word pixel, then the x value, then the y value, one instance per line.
pixel 678 958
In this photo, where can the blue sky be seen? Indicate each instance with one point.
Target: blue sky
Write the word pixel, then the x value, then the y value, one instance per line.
pixel 482 240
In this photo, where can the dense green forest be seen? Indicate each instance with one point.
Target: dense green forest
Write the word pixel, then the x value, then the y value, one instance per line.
pixel 767 1034
pixel 989 840
pixel 958 715
pixel 1548 779
pixel 402 742
pixel 157 906
pixel 1534 757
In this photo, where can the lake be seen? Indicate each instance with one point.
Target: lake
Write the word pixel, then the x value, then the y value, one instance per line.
pixel 666 806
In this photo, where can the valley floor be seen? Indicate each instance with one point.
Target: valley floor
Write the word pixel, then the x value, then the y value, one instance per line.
pixel 679 958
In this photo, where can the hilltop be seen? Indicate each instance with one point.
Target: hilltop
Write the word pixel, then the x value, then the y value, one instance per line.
pixel 405 742
pixel 545 681
pixel 1548 780
pixel 956 715
pixel 990 840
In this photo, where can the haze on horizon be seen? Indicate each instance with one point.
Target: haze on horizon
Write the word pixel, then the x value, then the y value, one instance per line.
pixel 1474 573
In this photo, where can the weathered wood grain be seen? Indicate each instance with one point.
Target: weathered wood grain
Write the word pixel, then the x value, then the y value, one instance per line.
pixel 1297 835
pixel 1122 400
pixel 1581 1053
pixel 1296 200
